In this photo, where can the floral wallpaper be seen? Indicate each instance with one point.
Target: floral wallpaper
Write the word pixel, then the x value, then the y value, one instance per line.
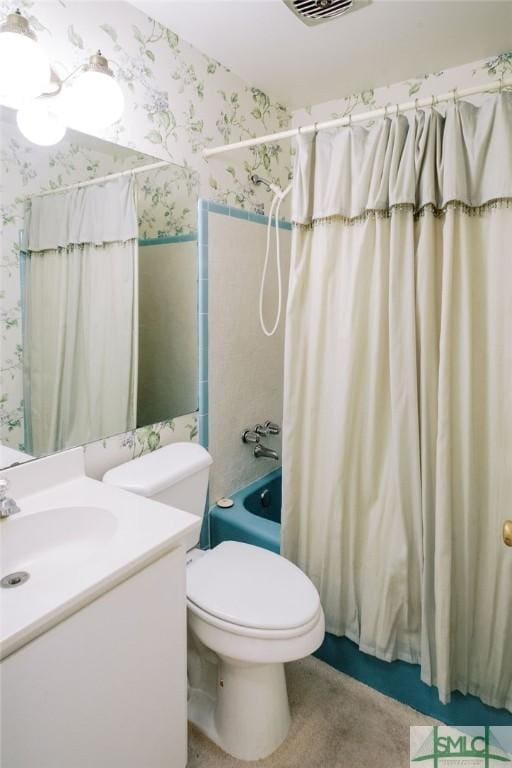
pixel 420 86
pixel 108 453
pixel 178 101
pixel 167 201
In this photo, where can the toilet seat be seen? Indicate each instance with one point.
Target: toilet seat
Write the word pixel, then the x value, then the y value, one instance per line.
pixel 253 646
pixel 250 591
pixel 254 632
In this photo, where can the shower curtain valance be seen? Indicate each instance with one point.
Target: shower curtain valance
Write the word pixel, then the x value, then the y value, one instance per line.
pixel 97 214
pixel 428 159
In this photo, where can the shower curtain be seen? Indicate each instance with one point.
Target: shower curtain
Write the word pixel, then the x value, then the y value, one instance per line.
pixel 397 441
pixel 81 315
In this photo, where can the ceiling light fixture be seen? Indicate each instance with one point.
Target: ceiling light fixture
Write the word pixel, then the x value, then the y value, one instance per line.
pixel 89 99
pixel 24 66
pixel 95 101
pixel 41 123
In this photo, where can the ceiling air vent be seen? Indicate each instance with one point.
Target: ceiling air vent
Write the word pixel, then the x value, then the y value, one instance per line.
pixel 317 11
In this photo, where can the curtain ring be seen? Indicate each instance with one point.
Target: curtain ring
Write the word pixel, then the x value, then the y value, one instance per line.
pixel 416 105
pixel 350 120
pixel 434 102
pixel 315 127
pixel 385 111
pixel 454 95
pixel 397 110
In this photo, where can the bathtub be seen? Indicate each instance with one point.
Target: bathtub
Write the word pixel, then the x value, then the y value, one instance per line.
pixel 255 516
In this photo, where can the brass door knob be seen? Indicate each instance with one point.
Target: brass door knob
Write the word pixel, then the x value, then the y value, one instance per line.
pixel 507 532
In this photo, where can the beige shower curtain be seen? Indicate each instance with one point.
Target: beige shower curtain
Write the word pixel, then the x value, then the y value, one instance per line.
pixel 397 450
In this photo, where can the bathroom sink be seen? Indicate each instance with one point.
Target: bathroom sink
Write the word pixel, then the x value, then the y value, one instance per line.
pixel 54 539
pixel 73 540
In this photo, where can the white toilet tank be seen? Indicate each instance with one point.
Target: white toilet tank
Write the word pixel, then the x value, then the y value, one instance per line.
pixel 176 474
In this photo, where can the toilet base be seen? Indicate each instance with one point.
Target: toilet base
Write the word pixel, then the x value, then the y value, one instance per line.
pixel 248 716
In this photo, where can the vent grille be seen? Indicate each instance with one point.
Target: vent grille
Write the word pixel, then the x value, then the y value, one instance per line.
pixel 317 11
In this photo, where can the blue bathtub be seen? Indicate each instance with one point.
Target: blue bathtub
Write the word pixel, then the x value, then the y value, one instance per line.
pixel 255 517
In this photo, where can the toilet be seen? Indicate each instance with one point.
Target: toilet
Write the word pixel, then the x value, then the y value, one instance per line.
pixel 249 611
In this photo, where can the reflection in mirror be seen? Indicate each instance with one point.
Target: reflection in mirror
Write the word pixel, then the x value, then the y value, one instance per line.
pixel 99 292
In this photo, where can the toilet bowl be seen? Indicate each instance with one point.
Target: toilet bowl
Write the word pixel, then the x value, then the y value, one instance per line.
pixel 249 611
pixel 254 610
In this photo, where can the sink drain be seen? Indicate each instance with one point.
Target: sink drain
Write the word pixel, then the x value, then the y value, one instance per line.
pixel 14 579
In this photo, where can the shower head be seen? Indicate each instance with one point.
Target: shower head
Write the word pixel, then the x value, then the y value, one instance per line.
pixel 271 187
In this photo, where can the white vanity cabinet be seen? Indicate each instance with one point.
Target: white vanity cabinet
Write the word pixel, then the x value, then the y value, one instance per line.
pixel 93 645
pixel 107 687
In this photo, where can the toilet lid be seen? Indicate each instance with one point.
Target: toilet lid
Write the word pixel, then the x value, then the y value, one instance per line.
pixel 251 587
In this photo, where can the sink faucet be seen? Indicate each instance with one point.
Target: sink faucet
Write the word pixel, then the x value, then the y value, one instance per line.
pixel 8 506
pixel 261 451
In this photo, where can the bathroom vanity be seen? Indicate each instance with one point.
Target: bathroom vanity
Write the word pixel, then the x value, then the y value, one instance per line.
pixel 93 643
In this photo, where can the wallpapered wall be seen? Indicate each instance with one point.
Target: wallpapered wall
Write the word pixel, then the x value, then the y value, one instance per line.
pixel 178 101
pixel 420 86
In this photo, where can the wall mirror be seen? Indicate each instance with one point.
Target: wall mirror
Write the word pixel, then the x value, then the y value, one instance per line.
pixel 99 292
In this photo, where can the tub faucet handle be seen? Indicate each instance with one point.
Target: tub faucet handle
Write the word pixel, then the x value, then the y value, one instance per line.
pixel 268 428
pixel 250 436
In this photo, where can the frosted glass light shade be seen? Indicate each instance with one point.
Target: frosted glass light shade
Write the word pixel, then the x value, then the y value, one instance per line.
pixel 24 68
pixel 93 102
pixel 41 123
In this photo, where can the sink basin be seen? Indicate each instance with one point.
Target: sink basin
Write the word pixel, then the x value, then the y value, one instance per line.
pixel 53 539
pixel 74 540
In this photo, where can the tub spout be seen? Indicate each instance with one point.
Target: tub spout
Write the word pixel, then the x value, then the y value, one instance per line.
pixel 261 451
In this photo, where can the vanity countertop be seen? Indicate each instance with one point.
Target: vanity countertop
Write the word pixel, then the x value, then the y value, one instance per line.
pixel 77 538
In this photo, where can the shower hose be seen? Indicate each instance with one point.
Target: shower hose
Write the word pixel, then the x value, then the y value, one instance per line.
pixel 276 204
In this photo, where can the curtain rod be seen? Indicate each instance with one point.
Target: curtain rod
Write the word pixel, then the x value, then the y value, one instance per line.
pixel 100 179
pixel 361 117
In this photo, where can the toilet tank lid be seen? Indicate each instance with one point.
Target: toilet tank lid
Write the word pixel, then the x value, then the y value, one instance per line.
pixel 160 469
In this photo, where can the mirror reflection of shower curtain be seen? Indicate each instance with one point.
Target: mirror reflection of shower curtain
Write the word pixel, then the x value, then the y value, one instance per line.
pixel 397 431
pixel 81 316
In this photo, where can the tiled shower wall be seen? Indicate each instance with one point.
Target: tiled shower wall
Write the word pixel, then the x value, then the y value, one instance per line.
pixel 241 369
